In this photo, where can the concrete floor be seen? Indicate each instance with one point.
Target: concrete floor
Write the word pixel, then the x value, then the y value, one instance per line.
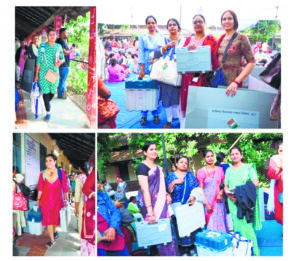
pixel 64 115
pixel 68 243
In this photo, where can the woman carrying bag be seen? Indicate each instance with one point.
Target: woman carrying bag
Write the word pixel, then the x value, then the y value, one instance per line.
pixel 50 57
pixel 52 196
pixel 169 92
pixel 234 46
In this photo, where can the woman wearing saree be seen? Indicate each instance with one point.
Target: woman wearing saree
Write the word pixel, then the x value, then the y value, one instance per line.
pixel 88 235
pixel 180 185
pixel 153 196
pixel 192 42
pixel 51 185
pixel 237 175
pixel 275 171
pixel 210 179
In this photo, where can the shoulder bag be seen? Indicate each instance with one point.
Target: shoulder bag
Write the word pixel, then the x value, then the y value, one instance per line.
pixel 218 77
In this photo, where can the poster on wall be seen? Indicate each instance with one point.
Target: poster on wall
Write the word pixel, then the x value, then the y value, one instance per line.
pixel 32 160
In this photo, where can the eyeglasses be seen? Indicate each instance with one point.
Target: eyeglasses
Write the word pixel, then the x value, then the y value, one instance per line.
pixel 198 22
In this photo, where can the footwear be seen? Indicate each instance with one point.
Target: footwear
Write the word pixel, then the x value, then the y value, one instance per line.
pixel 56 235
pixel 143 121
pixel 156 120
pixel 49 244
pixel 168 125
pixel 64 94
pixel 47 117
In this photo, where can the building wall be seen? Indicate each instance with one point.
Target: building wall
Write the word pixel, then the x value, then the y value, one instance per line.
pixel 51 147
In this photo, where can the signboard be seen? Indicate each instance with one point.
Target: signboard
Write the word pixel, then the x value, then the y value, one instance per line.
pixel 57 25
pixel 32 160
pixel 211 108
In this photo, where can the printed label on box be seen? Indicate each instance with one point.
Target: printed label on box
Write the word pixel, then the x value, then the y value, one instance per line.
pixel 231 118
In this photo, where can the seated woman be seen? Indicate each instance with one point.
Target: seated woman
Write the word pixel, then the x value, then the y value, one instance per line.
pixel 116 72
pixel 180 185
pixel 134 209
pixel 111 239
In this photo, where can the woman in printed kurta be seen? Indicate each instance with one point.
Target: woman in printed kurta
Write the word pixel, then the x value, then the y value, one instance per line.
pixel 210 178
pixel 275 171
pixel 192 42
pixel 233 69
pixel 80 198
pixel 52 196
pixel 180 184
pixel 148 43
pixel 170 95
pixel 153 197
pixel 47 60
pixel 237 175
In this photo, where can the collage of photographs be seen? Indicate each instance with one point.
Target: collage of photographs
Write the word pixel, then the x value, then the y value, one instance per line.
pixel 147 131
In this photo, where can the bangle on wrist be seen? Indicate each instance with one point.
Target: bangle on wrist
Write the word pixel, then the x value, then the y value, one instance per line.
pixel 236 82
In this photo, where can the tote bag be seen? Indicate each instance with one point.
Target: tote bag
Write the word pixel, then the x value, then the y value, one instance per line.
pixel 165 69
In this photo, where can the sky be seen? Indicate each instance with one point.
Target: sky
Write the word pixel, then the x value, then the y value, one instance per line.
pixel 135 11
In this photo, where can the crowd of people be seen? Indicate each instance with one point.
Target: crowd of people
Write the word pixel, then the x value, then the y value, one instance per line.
pixel 220 186
pixel 56 194
pixel 152 45
pixel 51 64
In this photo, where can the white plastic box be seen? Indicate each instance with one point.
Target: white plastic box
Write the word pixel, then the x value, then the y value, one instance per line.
pixel 203 251
pixel 189 218
pixel 35 228
pixel 141 99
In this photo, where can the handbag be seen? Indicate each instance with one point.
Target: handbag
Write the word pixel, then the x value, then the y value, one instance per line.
pixel 51 76
pixel 19 202
pixel 165 69
pixel 218 78
pixel 24 189
pixel 272 74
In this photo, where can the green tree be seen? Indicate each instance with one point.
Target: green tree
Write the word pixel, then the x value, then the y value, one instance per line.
pixel 264 30
pixel 78 32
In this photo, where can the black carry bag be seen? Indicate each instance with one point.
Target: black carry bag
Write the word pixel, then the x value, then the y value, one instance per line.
pixel 272 74
pixel 28 75
pixel 24 189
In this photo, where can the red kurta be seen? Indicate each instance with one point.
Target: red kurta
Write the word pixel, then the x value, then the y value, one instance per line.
pixel 52 198
pixel 88 215
pixel 278 187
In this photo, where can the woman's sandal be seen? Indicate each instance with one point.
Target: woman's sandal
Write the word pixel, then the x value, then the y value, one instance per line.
pixel 168 125
pixel 143 121
pixel 55 235
pixel 49 244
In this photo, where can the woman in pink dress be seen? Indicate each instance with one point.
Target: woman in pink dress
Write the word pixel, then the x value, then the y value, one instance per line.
pixel 52 196
pixel 210 179
pixel 116 72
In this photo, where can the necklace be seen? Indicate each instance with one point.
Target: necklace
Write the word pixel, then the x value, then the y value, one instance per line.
pixel 212 169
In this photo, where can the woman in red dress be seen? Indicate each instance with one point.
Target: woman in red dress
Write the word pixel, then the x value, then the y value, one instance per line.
pixel 275 171
pixel 52 196
pixel 88 235
pixel 192 42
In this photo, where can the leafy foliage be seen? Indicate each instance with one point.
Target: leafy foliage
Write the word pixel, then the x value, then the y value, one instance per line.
pixel 257 147
pixel 264 30
pixel 78 32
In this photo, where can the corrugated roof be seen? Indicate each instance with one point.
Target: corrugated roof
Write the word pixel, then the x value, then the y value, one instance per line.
pixel 30 19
